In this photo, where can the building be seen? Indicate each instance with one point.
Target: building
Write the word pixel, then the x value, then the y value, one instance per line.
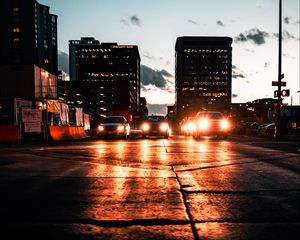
pixel 143 110
pixel 104 78
pixel 28 50
pixel 203 74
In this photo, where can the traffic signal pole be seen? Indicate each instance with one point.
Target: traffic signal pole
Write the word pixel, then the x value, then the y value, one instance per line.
pixel 279 102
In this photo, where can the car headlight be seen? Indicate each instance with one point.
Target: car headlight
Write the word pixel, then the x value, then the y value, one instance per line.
pixel 164 127
pixel 224 124
pixel 203 124
pixel 120 128
pixel 145 127
pixel 191 127
pixel 101 128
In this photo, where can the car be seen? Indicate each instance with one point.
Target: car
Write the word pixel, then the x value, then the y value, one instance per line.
pixel 187 126
pixel 255 127
pixel 268 129
pixel 211 123
pixel 154 125
pixel 115 126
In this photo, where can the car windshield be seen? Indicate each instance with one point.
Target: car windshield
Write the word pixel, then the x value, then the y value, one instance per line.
pixel 113 120
pixel 155 119
pixel 211 115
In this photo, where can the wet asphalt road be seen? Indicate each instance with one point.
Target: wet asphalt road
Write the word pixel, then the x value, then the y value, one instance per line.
pixel 239 188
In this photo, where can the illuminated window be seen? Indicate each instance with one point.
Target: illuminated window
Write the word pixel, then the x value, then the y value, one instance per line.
pixel 16 40
pixel 16 9
pixel 46 61
pixel 16 30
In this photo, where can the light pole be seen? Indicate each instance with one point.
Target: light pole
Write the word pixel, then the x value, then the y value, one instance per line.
pixel 278 119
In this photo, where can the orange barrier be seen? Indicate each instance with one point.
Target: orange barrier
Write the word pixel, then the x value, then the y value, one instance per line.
pixel 66 133
pixel 9 133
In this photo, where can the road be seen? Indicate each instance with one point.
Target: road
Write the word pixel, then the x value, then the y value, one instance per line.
pixel 180 188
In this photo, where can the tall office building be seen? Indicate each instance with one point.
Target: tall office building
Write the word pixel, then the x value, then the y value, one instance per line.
pixel 104 78
pixel 28 50
pixel 203 74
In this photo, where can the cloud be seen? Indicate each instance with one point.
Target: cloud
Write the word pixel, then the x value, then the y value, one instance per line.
pixel 286 35
pixel 160 109
pixel 255 35
pixel 220 23
pixel 259 37
pixel 125 22
pixel 63 61
pixel 237 73
pixel 158 79
pixel 131 20
pixel 191 21
pixel 287 20
pixel 135 20
pixel 148 56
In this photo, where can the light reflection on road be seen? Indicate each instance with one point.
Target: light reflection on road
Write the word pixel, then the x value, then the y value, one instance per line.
pixel 137 180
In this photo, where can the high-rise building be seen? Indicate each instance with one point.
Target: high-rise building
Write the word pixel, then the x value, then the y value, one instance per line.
pixel 28 50
pixel 104 78
pixel 203 74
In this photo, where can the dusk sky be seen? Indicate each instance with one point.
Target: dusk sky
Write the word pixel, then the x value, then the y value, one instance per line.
pixel 154 26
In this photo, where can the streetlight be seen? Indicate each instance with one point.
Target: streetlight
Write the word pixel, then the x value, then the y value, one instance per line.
pixel 278 120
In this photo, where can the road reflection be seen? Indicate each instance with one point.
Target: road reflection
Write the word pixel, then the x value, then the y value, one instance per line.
pixel 139 180
pixel 136 180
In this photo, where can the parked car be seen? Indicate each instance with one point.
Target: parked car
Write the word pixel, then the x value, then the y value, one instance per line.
pixel 116 126
pixel 268 129
pixel 211 123
pixel 154 125
pixel 255 127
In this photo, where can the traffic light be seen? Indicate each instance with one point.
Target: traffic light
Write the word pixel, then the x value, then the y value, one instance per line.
pixel 285 93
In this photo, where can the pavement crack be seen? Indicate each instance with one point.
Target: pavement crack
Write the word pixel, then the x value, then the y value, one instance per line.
pixel 238 192
pixel 188 211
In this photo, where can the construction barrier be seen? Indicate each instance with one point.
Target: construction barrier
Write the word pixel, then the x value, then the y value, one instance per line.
pixel 9 133
pixel 59 133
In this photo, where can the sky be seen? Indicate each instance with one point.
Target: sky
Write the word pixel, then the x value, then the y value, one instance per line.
pixel 154 26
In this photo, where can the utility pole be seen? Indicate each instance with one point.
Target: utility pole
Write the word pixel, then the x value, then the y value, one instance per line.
pixel 279 102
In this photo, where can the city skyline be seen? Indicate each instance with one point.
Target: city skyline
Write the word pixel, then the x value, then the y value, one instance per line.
pixel 154 27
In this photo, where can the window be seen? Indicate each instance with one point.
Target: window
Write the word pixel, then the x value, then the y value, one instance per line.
pixel 16 30
pixel 16 40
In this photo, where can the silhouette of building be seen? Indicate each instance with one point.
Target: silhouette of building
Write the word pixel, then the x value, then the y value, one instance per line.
pixel 203 74
pixel 143 110
pixel 28 50
pixel 104 78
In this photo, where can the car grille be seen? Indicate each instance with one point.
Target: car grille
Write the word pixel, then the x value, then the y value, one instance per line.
pixel 110 128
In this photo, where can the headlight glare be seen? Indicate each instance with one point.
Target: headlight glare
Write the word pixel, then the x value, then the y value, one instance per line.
pixel 203 124
pixel 145 127
pixel 120 128
pixel 224 124
pixel 164 127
